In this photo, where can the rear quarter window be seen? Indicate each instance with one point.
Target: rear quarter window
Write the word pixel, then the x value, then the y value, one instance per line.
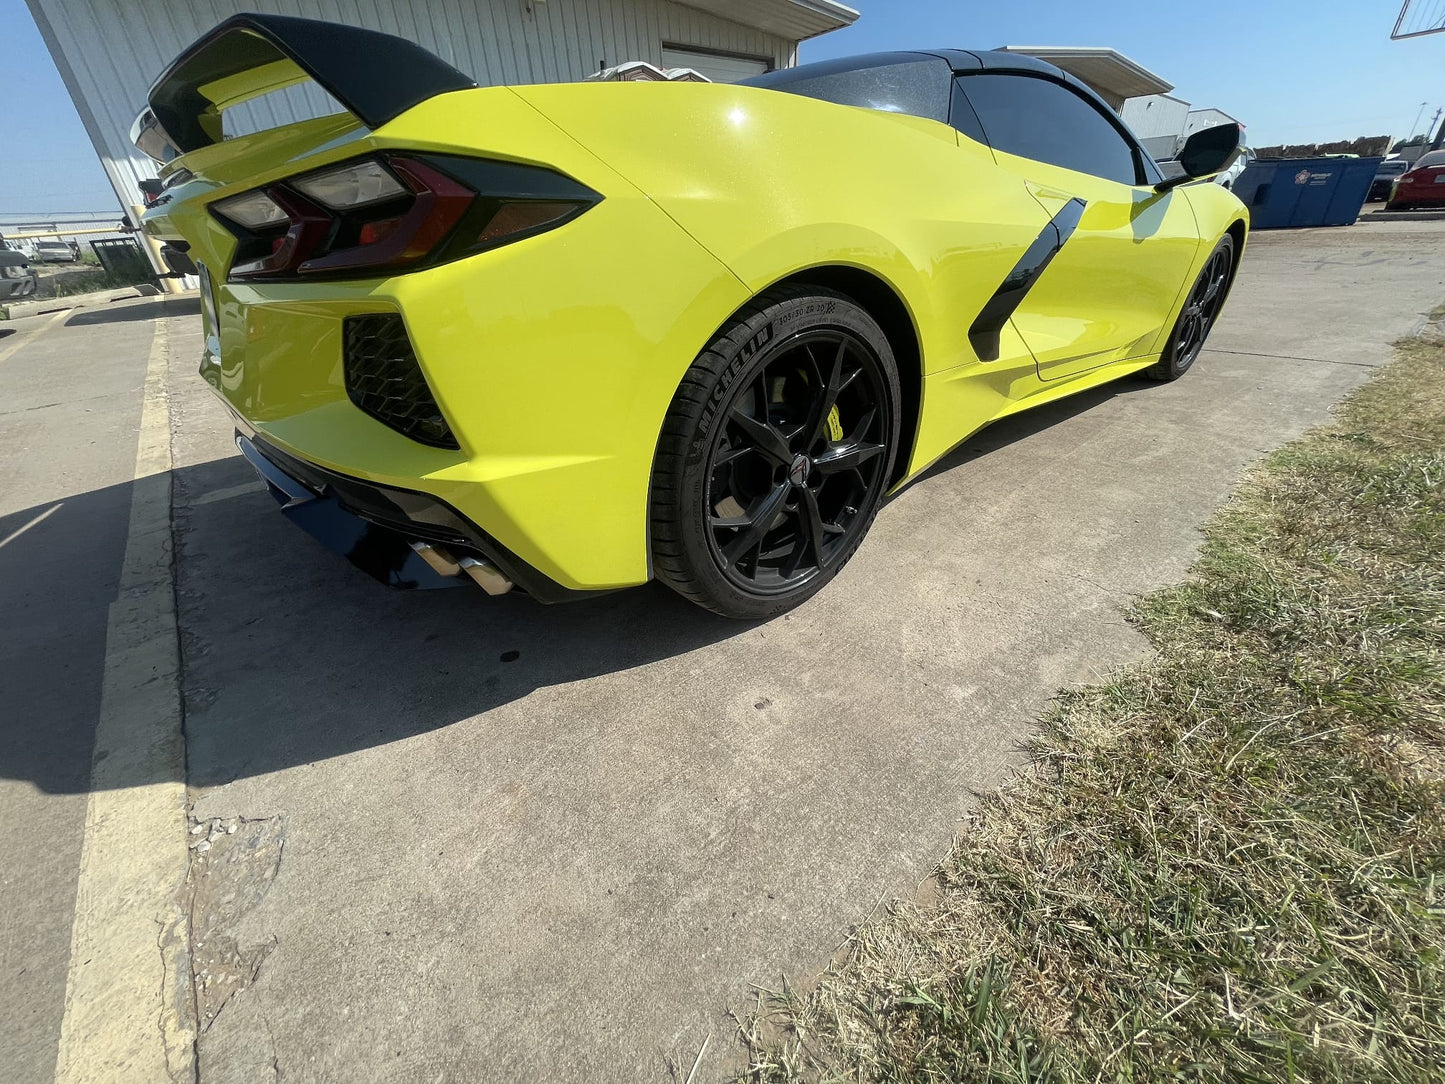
pixel 896 83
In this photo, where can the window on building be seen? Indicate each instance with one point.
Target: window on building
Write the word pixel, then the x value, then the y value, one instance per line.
pixel 719 67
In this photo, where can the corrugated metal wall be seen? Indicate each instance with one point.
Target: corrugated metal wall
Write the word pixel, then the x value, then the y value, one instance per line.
pixel 1155 115
pixel 109 51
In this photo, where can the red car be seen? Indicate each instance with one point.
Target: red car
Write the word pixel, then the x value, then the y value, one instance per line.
pixel 1423 186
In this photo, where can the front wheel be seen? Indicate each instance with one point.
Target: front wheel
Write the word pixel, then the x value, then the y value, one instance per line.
pixel 1197 317
pixel 775 454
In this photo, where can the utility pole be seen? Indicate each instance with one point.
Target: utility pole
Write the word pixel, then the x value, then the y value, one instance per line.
pixel 1439 132
pixel 1415 124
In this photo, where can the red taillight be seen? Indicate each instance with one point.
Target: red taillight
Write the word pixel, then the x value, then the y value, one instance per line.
pixel 373 232
pixel 438 203
pixel 306 226
pixel 379 215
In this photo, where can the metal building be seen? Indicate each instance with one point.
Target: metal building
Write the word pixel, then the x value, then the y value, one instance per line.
pixel 1155 115
pixel 1199 119
pixel 1160 120
pixel 109 51
pixel 1163 122
pixel 1108 72
pixel 1157 119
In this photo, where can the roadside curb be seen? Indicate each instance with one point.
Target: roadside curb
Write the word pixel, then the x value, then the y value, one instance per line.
pixel 1404 216
pixel 98 297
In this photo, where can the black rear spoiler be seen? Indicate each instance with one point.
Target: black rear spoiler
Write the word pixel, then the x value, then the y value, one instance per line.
pixel 374 76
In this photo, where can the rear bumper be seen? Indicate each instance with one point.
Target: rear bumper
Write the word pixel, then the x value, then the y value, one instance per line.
pixel 1418 194
pixel 16 288
pixel 553 360
pixel 383 530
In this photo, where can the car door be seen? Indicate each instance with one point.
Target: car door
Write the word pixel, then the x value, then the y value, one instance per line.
pixel 1106 272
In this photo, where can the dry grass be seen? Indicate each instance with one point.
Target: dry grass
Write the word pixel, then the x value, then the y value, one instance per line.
pixel 83 280
pixel 1227 864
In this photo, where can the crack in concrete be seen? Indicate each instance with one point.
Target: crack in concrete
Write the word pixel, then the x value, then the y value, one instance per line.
pixel 275 1063
pixel 1293 357
pixel 119 396
pixel 234 862
pixel 178 1030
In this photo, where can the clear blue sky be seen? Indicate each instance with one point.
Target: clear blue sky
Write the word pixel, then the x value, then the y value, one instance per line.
pixel 1294 71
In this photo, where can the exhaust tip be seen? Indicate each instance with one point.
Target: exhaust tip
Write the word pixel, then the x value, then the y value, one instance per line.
pixel 483 573
pixel 441 562
pixel 487 575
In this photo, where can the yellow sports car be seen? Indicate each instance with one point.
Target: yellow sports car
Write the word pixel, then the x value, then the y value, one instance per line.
pixel 571 337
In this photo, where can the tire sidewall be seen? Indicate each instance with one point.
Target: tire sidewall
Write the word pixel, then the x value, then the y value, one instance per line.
pixel 744 347
pixel 1171 352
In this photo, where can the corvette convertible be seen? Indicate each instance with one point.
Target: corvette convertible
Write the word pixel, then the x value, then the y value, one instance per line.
pixel 572 337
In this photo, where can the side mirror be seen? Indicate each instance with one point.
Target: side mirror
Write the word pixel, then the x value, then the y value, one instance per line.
pixel 1206 153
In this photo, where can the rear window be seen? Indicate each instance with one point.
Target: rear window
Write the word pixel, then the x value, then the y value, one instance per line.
pixel 1432 158
pixel 893 82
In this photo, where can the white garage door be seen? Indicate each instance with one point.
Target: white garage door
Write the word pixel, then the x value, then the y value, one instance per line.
pixel 720 69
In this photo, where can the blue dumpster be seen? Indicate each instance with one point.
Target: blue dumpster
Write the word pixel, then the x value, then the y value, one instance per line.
pixel 1283 193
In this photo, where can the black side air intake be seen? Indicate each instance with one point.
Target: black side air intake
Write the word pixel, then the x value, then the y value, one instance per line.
pixel 384 379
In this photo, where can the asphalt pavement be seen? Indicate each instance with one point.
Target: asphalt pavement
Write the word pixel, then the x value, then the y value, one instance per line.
pixel 440 836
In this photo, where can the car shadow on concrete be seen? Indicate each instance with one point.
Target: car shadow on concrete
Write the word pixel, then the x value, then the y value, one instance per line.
pixel 1019 426
pixel 126 314
pixel 291 655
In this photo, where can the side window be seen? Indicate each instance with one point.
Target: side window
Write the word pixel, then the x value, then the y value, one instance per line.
pixel 916 85
pixel 1037 118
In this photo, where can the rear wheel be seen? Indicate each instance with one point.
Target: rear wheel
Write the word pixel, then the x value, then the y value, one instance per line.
pixel 775 454
pixel 1197 317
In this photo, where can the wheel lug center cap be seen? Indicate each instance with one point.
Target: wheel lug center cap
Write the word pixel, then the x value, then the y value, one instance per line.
pixel 801 467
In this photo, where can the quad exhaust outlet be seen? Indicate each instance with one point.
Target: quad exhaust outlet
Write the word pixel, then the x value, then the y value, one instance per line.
pixel 485 574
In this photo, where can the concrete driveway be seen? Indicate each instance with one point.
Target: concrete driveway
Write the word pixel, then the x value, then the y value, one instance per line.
pixel 445 837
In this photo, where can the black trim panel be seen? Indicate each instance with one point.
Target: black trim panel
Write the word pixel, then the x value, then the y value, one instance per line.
pixel 413 515
pixel 374 76
pixel 984 334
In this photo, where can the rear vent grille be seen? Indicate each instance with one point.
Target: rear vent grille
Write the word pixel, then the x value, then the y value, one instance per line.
pixel 384 379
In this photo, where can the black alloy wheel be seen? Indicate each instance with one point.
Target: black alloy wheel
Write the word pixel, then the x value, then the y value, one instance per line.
pixel 1202 308
pixel 776 454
